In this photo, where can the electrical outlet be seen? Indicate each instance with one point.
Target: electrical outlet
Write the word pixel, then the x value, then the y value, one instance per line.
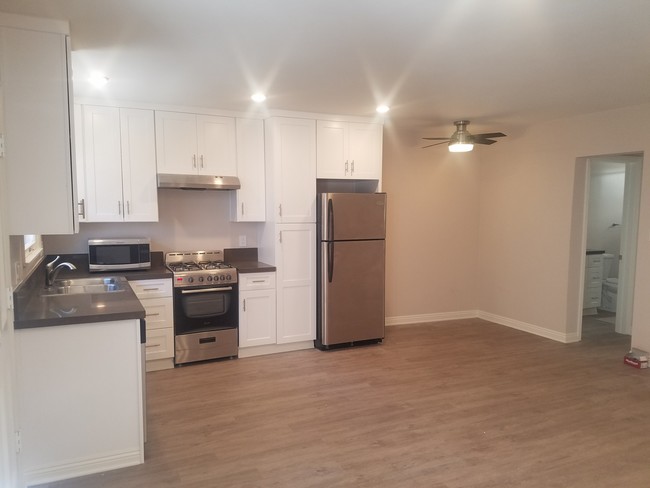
pixel 242 241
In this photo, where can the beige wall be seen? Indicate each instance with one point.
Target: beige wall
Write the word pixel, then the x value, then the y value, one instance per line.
pixel 432 226
pixel 526 217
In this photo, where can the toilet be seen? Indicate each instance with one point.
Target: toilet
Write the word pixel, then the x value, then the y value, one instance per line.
pixel 610 285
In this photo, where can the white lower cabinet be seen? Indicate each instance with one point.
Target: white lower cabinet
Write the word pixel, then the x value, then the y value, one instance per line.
pixel 156 298
pixel 79 399
pixel 257 308
pixel 593 283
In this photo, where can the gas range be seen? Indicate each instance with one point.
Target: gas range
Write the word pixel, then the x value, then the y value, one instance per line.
pixel 200 268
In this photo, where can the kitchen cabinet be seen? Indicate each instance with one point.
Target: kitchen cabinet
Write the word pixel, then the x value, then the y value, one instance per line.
pixel 257 309
pixel 119 165
pixel 37 126
pixel 156 298
pixel 248 203
pixel 79 399
pixel 290 151
pixel 593 282
pixel 195 144
pixel 296 282
pixel 348 150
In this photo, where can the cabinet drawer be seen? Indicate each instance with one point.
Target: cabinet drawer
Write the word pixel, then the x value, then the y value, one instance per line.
pixel 256 281
pixel 594 260
pixel 152 288
pixel 592 296
pixel 160 312
pixel 160 344
pixel 593 276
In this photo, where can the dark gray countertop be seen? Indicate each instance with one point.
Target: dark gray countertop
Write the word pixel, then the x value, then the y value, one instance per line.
pixel 33 310
pixel 245 260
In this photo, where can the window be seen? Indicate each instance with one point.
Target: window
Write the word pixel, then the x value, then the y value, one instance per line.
pixel 33 247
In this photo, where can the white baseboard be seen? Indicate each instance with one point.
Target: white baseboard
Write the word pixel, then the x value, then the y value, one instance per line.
pixel 430 317
pixel 82 467
pixel 530 328
pixel 497 319
pixel 249 352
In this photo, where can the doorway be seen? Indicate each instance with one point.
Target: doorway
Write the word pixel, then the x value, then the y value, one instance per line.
pixel 612 215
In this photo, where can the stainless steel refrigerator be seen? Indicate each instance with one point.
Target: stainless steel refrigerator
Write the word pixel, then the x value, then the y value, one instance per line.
pixel 351 235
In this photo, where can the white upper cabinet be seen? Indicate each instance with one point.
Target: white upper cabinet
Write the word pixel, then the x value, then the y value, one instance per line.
pixel 248 203
pixel 291 169
pixel 195 144
pixel 119 165
pixel 349 150
pixel 36 107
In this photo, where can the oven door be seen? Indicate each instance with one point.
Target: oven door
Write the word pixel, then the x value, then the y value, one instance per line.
pixel 200 309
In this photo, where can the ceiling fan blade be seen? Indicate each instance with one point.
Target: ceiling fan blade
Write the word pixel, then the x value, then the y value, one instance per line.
pixel 436 144
pixel 436 138
pixel 490 135
pixel 483 141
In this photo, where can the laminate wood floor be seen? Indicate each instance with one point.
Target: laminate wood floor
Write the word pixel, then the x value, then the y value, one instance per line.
pixel 447 405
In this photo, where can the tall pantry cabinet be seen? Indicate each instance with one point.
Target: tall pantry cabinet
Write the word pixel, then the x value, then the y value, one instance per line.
pixel 288 237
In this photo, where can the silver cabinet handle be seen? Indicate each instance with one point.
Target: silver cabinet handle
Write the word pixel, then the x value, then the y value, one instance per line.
pixel 150 289
pixel 242 208
pixel 119 207
pixel 280 209
pixel 152 345
pixel 201 161
pixel 258 281
pixel 346 167
pixel 244 304
pixel 153 314
pixel 352 171
pixel 82 206
pixel 194 161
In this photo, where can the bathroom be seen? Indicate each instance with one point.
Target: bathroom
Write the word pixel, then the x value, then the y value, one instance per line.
pixel 612 219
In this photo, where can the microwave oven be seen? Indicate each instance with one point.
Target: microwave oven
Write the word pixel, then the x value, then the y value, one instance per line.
pixel 119 254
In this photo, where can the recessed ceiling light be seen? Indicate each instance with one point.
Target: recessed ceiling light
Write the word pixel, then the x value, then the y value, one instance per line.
pixel 258 97
pixel 98 79
pixel 382 109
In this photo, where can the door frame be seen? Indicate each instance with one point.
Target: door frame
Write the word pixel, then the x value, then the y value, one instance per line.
pixel 632 201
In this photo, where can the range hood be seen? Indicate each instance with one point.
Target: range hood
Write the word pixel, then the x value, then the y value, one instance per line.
pixel 198 182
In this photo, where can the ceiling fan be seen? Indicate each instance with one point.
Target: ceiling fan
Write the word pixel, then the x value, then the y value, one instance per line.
pixel 462 140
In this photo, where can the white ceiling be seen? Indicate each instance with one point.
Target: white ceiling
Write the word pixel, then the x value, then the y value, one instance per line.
pixel 500 63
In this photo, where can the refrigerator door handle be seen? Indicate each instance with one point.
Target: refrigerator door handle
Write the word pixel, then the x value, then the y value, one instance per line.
pixel 330 219
pixel 330 261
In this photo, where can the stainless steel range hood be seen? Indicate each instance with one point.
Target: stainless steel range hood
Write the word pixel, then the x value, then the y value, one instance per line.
pixel 198 182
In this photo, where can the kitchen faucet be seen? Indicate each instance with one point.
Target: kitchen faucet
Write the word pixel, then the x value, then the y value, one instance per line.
pixel 51 272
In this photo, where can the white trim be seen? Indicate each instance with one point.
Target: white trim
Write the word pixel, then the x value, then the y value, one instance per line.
pixel 530 328
pixel 249 352
pixel 490 317
pixel 430 317
pixel 83 467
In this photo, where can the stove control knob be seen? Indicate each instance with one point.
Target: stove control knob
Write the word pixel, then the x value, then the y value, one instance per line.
pixel 209 278
pixel 190 279
pixel 222 277
pixel 200 278
pixel 228 277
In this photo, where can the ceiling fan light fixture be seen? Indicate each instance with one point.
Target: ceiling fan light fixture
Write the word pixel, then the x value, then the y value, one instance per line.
pixel 460 147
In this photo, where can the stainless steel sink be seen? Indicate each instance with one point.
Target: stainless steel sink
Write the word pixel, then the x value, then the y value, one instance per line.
pixel 92 285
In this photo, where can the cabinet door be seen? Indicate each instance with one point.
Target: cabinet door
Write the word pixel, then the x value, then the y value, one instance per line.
pixel 37 131
pixel 365 150
pixel 216 145
pixel 79 162
pixel 102 164
pixel 257 318
pixel 296 283
pixel 139 165
pixel 332 150
pixel 176 143
pixel 159 313
pixel 294 171
pixel 248 203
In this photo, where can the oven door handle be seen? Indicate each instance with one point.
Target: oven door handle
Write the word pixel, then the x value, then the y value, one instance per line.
pixel 206 290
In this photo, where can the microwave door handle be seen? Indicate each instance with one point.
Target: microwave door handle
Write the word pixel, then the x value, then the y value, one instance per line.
pixel 206 290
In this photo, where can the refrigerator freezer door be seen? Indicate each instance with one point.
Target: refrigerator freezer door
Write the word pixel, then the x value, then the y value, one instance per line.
pixel 352 216
pixel 352 291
